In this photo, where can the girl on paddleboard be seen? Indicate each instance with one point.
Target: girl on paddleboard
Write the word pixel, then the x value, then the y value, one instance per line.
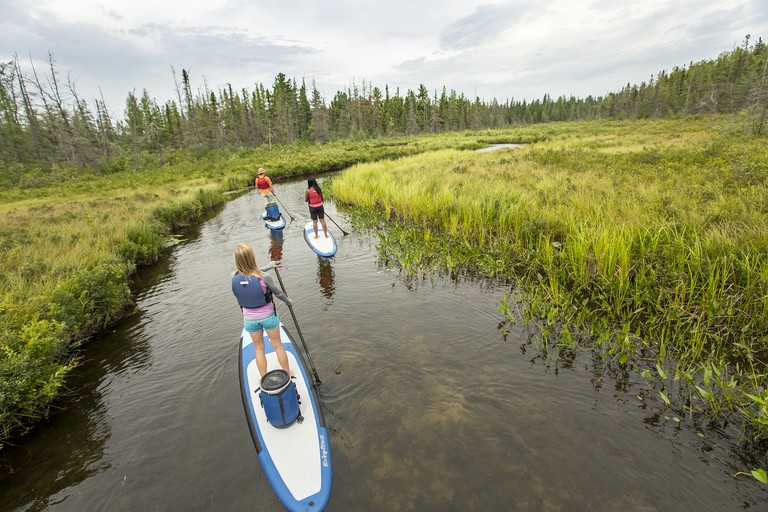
pixel 254 292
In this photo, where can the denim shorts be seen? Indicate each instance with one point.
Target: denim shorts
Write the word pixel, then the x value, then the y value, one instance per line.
pixel 267 324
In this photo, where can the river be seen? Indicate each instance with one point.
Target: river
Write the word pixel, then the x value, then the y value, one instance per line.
pixel 430 403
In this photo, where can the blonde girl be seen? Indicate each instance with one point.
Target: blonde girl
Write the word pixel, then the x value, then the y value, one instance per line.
pixel 254 292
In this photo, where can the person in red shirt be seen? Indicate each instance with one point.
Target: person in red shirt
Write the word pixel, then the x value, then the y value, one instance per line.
pixel 264 184
pixel 314 196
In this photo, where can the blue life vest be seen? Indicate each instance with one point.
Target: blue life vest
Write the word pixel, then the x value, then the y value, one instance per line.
pixel 248 291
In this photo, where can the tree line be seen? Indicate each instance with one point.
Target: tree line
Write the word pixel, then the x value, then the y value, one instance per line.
pixel 45 122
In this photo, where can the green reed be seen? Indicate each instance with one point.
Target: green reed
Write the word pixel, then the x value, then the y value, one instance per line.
pixel 648 239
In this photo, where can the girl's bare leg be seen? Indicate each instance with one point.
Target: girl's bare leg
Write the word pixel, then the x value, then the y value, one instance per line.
pixel 277 344
pixel 261 357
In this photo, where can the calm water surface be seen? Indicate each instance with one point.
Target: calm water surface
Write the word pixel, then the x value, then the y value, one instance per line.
pixel 429 405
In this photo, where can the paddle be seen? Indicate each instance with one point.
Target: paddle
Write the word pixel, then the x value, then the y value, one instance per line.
pixel 342 229
pixel 298 329
pixel 284 208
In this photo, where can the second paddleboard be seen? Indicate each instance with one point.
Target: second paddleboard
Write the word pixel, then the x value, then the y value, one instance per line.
pixel 322 245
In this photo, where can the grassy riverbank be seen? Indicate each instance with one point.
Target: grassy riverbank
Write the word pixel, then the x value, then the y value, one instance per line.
pixel 643 241
pixel 70 240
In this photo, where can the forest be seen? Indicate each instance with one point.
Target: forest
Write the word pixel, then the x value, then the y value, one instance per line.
pixel 45 122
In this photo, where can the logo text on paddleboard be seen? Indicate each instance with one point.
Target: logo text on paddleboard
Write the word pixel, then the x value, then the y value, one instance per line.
pixel 323 451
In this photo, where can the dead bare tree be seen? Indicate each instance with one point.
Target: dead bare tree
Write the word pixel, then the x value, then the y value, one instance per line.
pixel 35 128
pixel 759 100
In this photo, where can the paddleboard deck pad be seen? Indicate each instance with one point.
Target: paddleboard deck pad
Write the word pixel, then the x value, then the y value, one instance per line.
pixel 322 245
pixel 296 459
pixel 273 224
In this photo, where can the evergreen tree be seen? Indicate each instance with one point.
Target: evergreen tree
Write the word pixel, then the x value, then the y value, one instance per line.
pixel 320 128
pixel 44 121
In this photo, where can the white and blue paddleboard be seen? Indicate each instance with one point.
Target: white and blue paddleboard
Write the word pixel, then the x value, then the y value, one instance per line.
pixel 322 245
pixel 273 224
pixel 296 459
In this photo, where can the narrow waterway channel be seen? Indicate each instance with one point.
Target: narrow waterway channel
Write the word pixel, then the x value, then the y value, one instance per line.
pixel 431 405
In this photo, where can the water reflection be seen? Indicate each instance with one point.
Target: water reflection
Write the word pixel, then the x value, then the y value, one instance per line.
pixel 325 277
pixel 33 474
pixel 276 244
pixel 37 474
pixel 495 147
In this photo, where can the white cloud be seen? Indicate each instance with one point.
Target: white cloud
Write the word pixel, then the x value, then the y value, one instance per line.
pixel 504 49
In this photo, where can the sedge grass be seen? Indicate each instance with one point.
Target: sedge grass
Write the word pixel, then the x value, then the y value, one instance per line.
pixel 651 236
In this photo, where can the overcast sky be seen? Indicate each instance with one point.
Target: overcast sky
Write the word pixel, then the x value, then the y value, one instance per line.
pixel 508 50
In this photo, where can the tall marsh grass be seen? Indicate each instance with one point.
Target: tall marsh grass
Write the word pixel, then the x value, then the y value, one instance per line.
pixel 649 236
pixel 65 274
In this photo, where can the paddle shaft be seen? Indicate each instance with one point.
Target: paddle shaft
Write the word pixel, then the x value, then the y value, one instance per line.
pixel 298 329
pixel 342 229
